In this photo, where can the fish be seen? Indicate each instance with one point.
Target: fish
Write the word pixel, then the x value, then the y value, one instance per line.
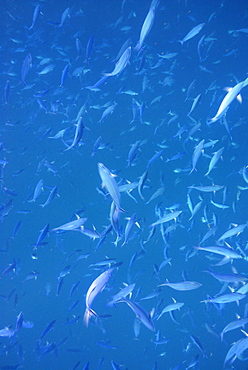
pixel 140 313
pixel 73 225
pixel 170 216
pixel 207 189
pixel 35 16
pixel 123 293
pixel 131 222
pixel 171 307
pixel 227 278
pixel 110 184
pixel 64 16
pixel 234 231
pixel 147 26
pixel 50 197
pixel 95 288
pixel 214 160
pixel 37 191
pixel 230 96
pixel 195 30
pixel 196 154
pixel 48 328
pixel 226 298
pixel 42 235
pixel 121 64
pixel 183 286
pixel 233 325
pixel 78 134
pixel 224 251
pixel 89 48
pixel 26 66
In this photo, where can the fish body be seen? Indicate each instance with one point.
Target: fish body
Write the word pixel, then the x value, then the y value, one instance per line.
pixel 192 33
pixel 230 96
pixel 183 286
pixel 121 64
pixel 166 218
pixel 140 313
pixel 226 298
pixel 110 184
pixel 78 134
pixel 227 252
pixel 95 288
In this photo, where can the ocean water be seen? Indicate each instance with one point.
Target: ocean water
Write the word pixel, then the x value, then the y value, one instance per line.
pixel 149 123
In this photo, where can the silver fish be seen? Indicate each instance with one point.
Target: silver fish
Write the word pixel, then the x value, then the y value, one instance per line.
pixel 230 96
pixel 110 184
pixel 95 288
pixel 121 64
pixel 140 313
pixel 192 33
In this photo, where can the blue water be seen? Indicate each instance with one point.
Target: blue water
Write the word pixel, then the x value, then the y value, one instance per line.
pixel 34 108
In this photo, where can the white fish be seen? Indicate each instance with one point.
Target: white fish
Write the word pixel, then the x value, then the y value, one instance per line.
pixel 230 96
pixel 192 33
pixel 73 225
pixel 146 28
pixel 121 64
pixel 95 288
pixel 110 184
pixel 226 298
pixel 234 231
pixel 171 307
pixel 166 218
pixel 223 251
pixel 140 313
pixel 207 189
pixel 214 160
pixel 183 286
pixel 196 154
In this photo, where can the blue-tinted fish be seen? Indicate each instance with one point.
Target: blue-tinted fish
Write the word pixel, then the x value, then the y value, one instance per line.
pixel 121 64
pixel 140 313
pixel 95 288
pixel 110 184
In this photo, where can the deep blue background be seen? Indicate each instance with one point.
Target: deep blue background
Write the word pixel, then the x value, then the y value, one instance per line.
pixel 25 146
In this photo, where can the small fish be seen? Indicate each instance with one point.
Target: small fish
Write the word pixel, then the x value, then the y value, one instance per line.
pixel 123 293
pixel 78 134
pixel 207 189
pixel 147 25
pixel 121 64
pixel 51 196
pixel 48 328
pixel 192 33
pixel 227 252
pixel 183 286
pixel 35 15
pixel 234 231
pixel 226 298
pixel 95 288
pixel 71 225
pixel 230 96
pixel 214 160
pixel 110 184
pixel 170 216
pixel 140 313
pixel 64 16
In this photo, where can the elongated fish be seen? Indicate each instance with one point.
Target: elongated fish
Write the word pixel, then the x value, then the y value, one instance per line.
pixel 110 184
pixel 95 288
pixel 183 286
pixel 147 26
pixel 230 96
pixel 140 313
pixel 227 252
pixel 121 64
pixel 192 33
